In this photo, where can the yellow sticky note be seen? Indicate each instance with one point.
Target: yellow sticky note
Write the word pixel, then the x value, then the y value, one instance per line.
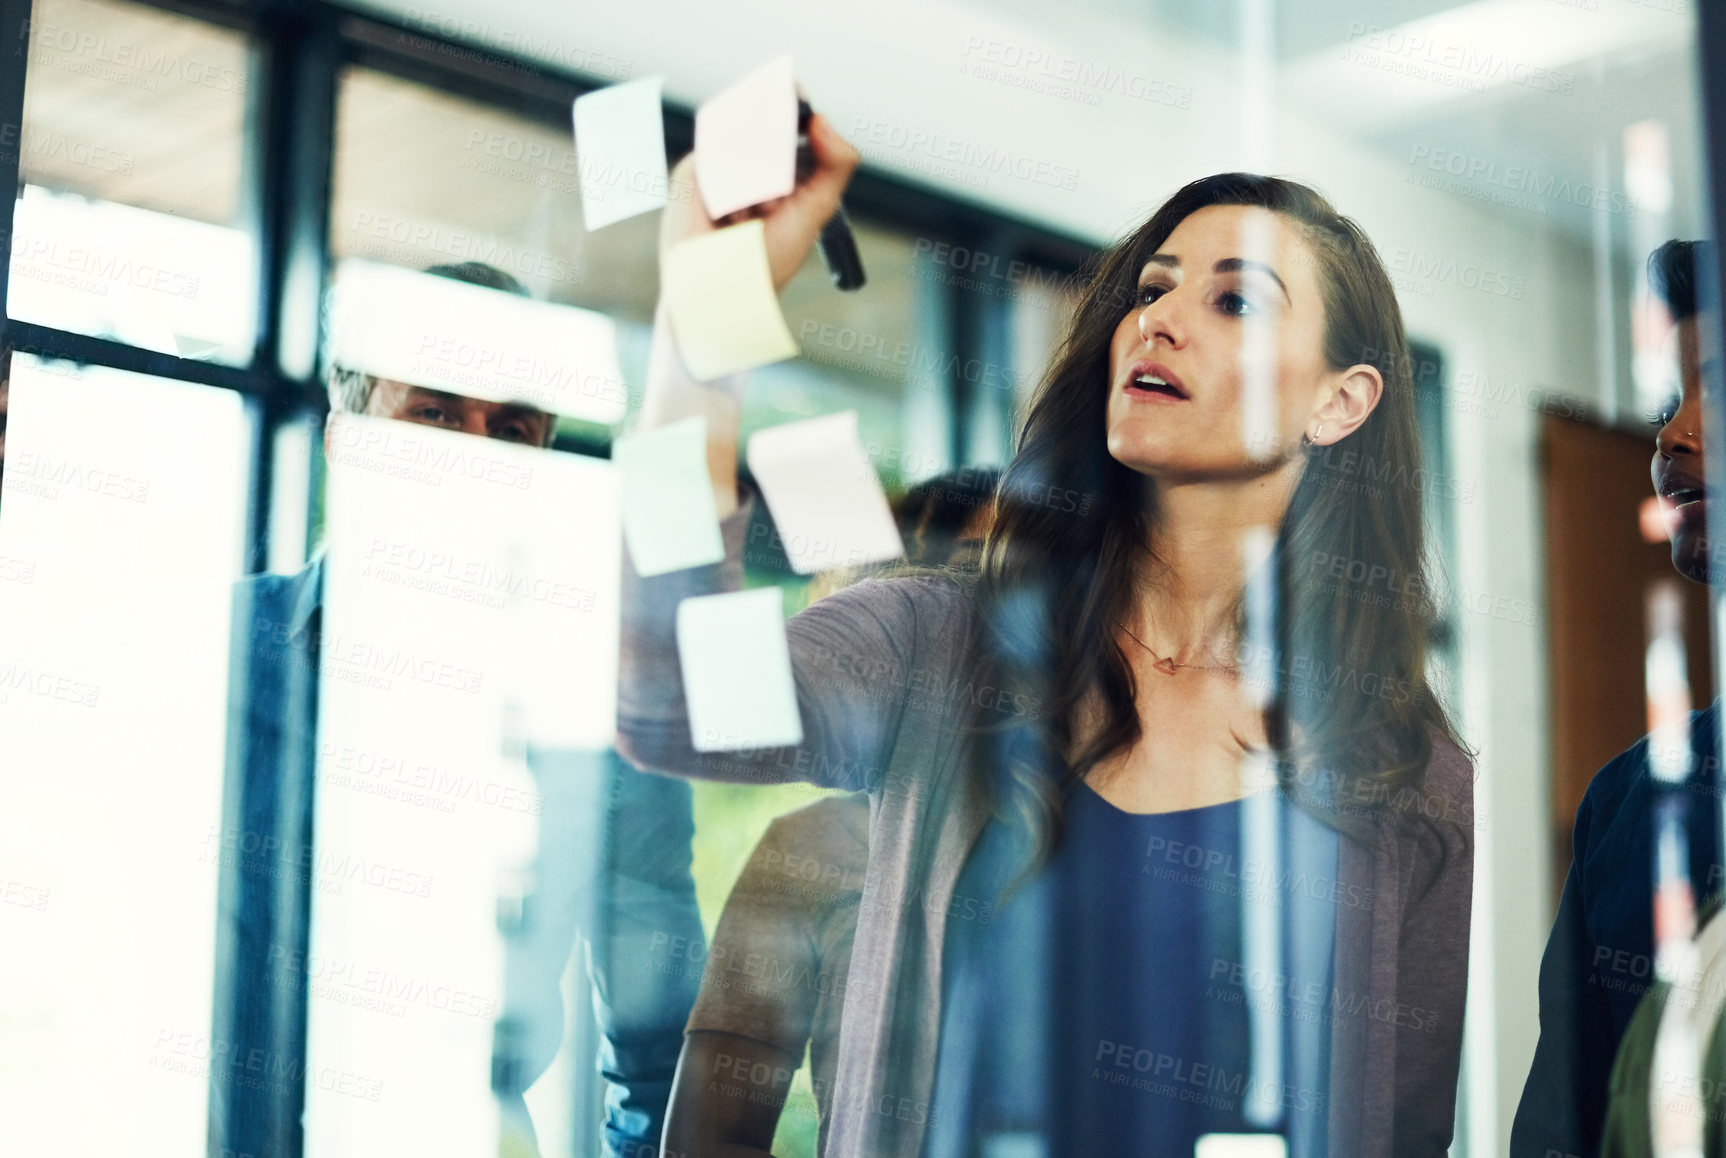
pixel 724 314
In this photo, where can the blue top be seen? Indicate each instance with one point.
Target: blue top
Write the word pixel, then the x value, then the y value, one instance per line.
pixel 1599 958
pixel 1131 945
pixel 1151 1050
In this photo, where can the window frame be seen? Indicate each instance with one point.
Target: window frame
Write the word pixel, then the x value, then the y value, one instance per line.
pixel 299 54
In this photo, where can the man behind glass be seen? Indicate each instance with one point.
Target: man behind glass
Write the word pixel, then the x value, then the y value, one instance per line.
pixel 262 960
pixel 1599 958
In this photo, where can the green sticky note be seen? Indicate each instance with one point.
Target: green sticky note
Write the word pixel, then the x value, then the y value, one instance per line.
pixel 669 520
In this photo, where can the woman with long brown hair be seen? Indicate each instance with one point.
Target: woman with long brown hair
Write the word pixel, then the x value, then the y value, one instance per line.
pixel 1177 739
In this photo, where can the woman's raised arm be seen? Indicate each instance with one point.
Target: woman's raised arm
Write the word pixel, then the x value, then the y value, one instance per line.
pixel 850 653
pixel 790 226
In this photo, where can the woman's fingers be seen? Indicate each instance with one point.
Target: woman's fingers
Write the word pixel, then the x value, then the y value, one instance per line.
pixel 796 221
pixel 836 159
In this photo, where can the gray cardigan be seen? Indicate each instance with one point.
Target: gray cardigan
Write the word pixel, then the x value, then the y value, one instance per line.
pixel 887 684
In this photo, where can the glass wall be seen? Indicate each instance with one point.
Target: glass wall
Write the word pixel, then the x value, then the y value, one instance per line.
pixel 142 220
pixel 253 844
pixel 424 177
pixel 121 534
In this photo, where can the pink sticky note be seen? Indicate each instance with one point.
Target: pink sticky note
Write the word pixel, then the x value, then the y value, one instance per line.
pixel 746 141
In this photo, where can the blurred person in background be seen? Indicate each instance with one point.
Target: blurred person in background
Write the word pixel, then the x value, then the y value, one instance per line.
pixel 1599 957
pixel 645 887
pixel 1032 734
pixel 944 520
pixel 774 984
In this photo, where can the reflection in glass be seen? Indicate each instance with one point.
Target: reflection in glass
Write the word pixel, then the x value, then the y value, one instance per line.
pixel 120 538
pixel 129 224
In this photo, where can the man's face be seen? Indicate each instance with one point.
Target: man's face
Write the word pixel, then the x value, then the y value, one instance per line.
pixel 505 421
pixel 1679 473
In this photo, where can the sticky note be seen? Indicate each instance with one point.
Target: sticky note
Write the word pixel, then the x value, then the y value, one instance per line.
pixel 445 334
pixel 724 314
pixel 669 519
pixel 620 150
pixel 823 493
pixel 737 671
pixel 746 141
pixel 1241 1146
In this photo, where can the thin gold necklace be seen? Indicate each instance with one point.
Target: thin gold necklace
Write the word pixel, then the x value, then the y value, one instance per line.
pixel 1168 666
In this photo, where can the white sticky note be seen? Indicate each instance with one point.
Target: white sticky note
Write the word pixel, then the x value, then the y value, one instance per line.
pixel 1240 1146
pixel 737 671
pixel 746 141
pixel 725 316
pixel 620 150
pixel 824 495
pixel 669 519
pixel 450 335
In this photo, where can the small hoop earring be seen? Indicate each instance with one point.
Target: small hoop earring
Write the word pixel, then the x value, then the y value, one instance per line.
pixel 1317 433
